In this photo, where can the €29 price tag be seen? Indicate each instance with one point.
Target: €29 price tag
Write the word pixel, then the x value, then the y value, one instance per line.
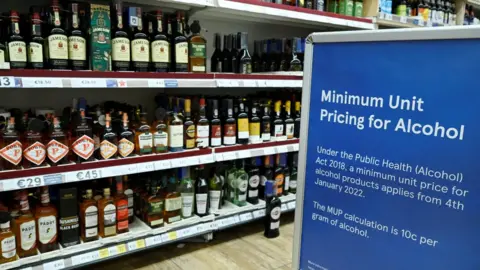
pixel 30 182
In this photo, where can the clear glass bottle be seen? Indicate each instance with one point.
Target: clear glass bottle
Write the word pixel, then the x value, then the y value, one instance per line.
pixel 175 132
pixel 215 186
pixel 128 191
pixel 186 192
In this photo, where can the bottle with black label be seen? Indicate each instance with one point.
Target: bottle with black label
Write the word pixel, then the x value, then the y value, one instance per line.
pixel 244 58
pixel 77 46
pixel 217 56
pixel 57 40
pixel 140 45
pixel 254 180
pixel 229 126
pixel 17 49
pixel 160 46
pixel 278 124
pixel 36 57
pixel 201 193
pixel 289 122
pixel 120 41
pixel 234 53
pixel 216 126
pixel 279 174
pixel 293 173
pixel 274 210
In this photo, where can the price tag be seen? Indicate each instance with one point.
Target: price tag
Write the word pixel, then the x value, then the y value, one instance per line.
pixel 191 161
pixel 229 155
pixel 259 213
pixel 30 182
pixel 213 227
pixel 156 83
pixel 388 16
pixel 257 152
pixel 145 167
pixel 223 83
pixel 269 151
pixel 262 83
pixel 234 83
pixel 205 159
pixel 134 245
pixel 172 235
pixel 88 83
pixel 296 147
pixel 140 243
pixel 54 265
pixel 122 248
pixel 246 217
pixel 219 157
pixel 290 148
pixel 236 219
pixel 291 205
pixel 282 149
pixel 12 265
pixel 7 82
pixel 243 154
pixel 429 23
pixel 162 165
pixel 296 83
pixel 42 83
pixel 103 253
pixel 112 251
pixel 128 169
pixel 284 207
pixel 249 83
pixel 153 240
pixel 165 237
pixel 81 259
pixel 83 175
pixel 403 19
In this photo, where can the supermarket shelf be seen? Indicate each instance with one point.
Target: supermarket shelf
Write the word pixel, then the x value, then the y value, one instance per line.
pixel 95 79
pixel 392 20
pixel 19 179
pixel 142 237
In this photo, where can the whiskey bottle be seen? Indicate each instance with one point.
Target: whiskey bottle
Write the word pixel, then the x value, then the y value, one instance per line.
pixel 3 49
pixel 186 192
pixel 230 126
pixel 295 64
pixel 215 187
pixel 24 227
pixel 289 122
pixel 189 127
pixel 216 126
pixel 84 145
pixel 77 45
pixel 274 210
pixel 217 56
pixel 17 49
pixel 254 125
pixel 128 191
pixel 126 143
pixel 175 133
pixel 154 207
pixel 253 180
pixel 266 122
pixel 226 56
pixel 11 147
pixel 108 146
pixel 293 173
pixel 34 153
pixel 298 118
pixel 46 218
pixel 180 46
pixel 203 127
pixel 57 40
pixel 279 174
pixel 242 123
pixel 266 175
pixel 121 203
pixel 160 46
pixel 278 125
pixel 120 41
pixel 197 49
pixel 173 202
pixel 143 137
pixel 8 251
pixel 201 193
pixel 88 217
pixel 107 215
pixel 35 46
pixel 140 44
pixel 241 184
pixel 244 58
pixel 57 147
pixel 160 137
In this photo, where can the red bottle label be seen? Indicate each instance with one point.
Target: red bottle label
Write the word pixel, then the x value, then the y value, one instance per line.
pixel 122 214
pixel 216 131
pixel 230 130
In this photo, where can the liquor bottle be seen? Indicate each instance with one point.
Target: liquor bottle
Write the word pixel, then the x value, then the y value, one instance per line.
pixel 17 49
pixel 35 46
pixel 230 126
pixel 180 48
pixel 108 146
pixel 266 175
pixel 256 60
pixel 189 127
pixel 254 180
pixel 46 218
pixel 126 143
pixel 203 127
pixel 296 64
pixel 284 56
pixel 57 40
pixel 242 123
pixel 274 210
pixel 241 184
pixel 197 49
pixel 231 186
pixel 77 46
pixel 8 251
pixel 107 215
pixel 24 227
pixel 266 122
pixel 57 147
pixel 175 133
pixel 244 58
pixel 34 153
pixel 226 56
pixel 278 125
pixel 11 147
pixel 186 192
pixel 289 122
pixel 173 202
pixel 293 173
pixel 286 173
pixel 278 174
pixel 215 186
pixel 120 41
pixel 140 45
pixel 254 125
pixel 89 217
pixel 83 146
pixel 216 126
pixel 233 53
pixel 160 46
pixel 201 193
pixel 143 137
pixel 217 56
pixel 298 118
pixel 264 57
pixel 154 207
pixel 121 203
pixel 128 191
pixel 160 136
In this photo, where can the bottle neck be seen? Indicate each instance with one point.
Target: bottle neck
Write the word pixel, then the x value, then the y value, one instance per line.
pixel 159 24
pixel 75 24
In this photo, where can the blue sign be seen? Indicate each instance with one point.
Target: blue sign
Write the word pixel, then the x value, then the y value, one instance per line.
pixel 393 157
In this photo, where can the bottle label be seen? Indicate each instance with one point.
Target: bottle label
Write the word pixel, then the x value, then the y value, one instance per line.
pixel 156 222
pixel 12 152
pixel 175 136
pixel 91 232
pixel 287 182
pixel 125 147
pixel 266 137
pixel 216 135
pixel 145 141
pixel 202 135
pixel 107 149
pixel 174 219
pixel 359 9
pixel 129 194
pixel 155 207
pixel 109 215
pixel 275 213
pixel 201 203
pixel 243 127
pixel 35 153
pixel 160 51
pixel 28 235
pixel 8 247
pixel 77 48
pixel 215 196
pixel 160 140
pixel 121 49
pixel 122 214
pixel 263 179
pixel 289 128
pixel 243 185
pixel 173 204
pixel 91 219
pixel 47 229
pixel 198 50
pixel 229 133
pixel 279 178
pixel 187 205
pixel 253 193
pixel 181 52
pixel 140 50
pixel 35 52
pixel 274 225
pixel 2 56
pixel 245 68
pixel 17 51
pixel 278 130
pixel 190 137
pixel 56 150
pixel 84 147
pixel 58 47
pixel 293 184
pixel 254 181
pixel 254 132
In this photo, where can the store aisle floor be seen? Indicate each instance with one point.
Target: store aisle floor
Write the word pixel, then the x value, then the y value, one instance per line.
pixel 242 247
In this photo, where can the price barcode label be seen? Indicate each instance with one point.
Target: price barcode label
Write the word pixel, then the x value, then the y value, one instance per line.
pixel 54 265
pixel 81 259
pixel 134 245
pixel 140 243
pixel 172 235
pixel 229 155
pixel 7 82
pixel 269 150
pixel 257 152
pixel 296 147
pixel 250 83
pixel 153 240
pixel 128 169
pixel 103 253
pixel 236 219
pixel 88 83
pixel 223 83
pixel 244 154
pixel 191 161
pixel 219 157
pixel 234 83
pixel 284 207
pixel 282 149
pixel 83 175
pixel 162 165
pixel 156 83
pixel 205 159
pixel 246 217
pixel 145 167
pixel 262 83
pixel 291 205
pixel 403 19
pixel 42 82
pixel 259 213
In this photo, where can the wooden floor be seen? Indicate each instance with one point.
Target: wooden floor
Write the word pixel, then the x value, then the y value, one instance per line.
pixel 242 247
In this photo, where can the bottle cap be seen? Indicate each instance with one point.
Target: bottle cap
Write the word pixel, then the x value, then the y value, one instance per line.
pixel 4 220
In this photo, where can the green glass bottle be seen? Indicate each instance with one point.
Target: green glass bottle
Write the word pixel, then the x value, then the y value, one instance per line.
pixel 186 192
pixel 231 174
pixel 215 185
pixel 241 184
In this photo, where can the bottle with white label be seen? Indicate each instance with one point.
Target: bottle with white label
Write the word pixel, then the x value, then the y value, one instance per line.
pixel 175 132
pixel 254 179
pixel 215 186
pixel 293 173
pixel 186 192
pixel 173 202
pixel 278 124
pixel 160 46
pixel 24 227
pixel 8 251
pixel 140 45
pixel 46 216
pixel 242 123
pixel 57 39
pixel 201 193
pixel 131 203
pixel 120 40
pixel 273 212
pixel 107 215
pixel 143 136
pixel 77 43
pixel 88 218
pixel 203 127
pixel 241 184
pixel 289 122
pixel 36 57
pixel 215 126
pixel 17 49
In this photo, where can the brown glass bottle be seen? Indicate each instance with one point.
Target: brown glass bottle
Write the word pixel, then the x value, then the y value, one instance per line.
pixel 24 227
pixel 88 217
pixel 154 208
pixel 36 58
pixel 126 139
pixel 8 252
pixel 128 191
pixel 173 202
pixel 120 41
pixel 160 46
pixel 46 218
pixel 121 203
pixel 203 127
pixel 34 152
pixel 197 48
pixel 140 45
pixel 57 39
pixel 108 146
pixel 17 49
pixel 107 221
pixel 11 147
pixel 160 137
pixel 57 146
pixel 77 45
pixel 278 124
pixel 83 144
pixel 189 127
pixel 143 136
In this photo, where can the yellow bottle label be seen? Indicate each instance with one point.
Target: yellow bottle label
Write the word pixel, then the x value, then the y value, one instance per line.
pixel 190 137
pixel 254 129
pixel 278 105
pixel 243 128
pixel 288 104
pixel 297 106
